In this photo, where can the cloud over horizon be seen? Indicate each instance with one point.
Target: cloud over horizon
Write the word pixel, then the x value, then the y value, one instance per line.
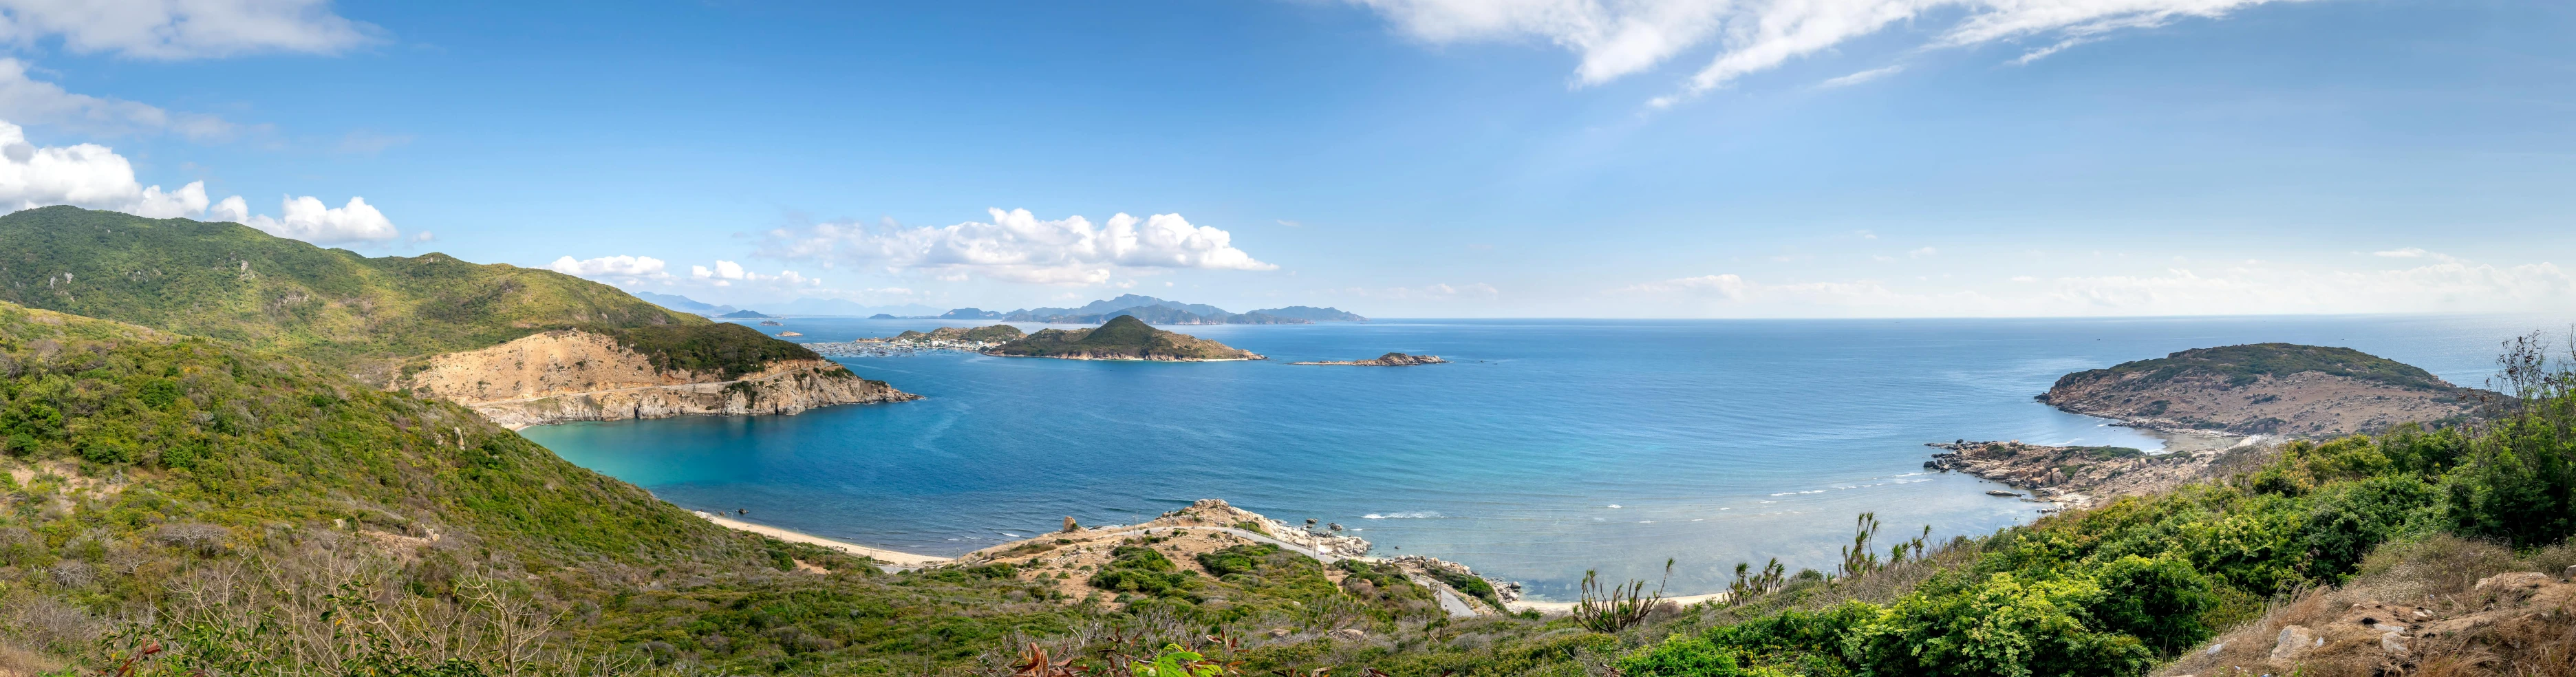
pixel 2447 284
pixel 1019 247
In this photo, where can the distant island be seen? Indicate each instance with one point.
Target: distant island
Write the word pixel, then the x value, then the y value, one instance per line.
pixel 1386 360
pixel 743 315
pixel 1122 338
pixel 1152 311
pixel 2266 388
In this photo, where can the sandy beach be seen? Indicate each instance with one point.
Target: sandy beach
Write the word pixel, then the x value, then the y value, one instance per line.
pixel 881 554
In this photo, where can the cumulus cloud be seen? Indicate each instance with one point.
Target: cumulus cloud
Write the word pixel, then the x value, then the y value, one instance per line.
pixel 183 29
pixel 27 100
pixel 2406 253
pixel 726 273
pixel 1018 247
pixel 1616 39
pixel 87 175
pixel 94 176
pixel 308 219
pixel 2446 284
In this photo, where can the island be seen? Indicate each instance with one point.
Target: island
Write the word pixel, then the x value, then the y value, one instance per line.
pixel 2267 389
pixel 1122 338
pixel 745 315
pixel 996 335
pixel 1386 360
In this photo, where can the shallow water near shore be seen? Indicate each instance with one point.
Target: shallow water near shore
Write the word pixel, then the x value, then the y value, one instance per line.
pixel 1548 448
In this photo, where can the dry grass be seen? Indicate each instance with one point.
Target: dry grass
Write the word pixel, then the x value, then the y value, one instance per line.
pixel 2498 634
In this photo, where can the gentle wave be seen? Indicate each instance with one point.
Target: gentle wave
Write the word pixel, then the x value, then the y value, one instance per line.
pixel 1423 515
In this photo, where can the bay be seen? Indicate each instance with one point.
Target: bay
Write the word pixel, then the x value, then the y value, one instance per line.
pixel 1551 447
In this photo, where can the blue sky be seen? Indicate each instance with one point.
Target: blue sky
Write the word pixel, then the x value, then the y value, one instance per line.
pixel 1655 158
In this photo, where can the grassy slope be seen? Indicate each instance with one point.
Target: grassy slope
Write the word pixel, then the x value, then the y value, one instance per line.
pixel 231 282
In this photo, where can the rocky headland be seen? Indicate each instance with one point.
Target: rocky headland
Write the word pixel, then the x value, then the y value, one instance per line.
pixel 2267 388
pixel 1122 338
pixel 1386 360
pixel 2079 476
pixel 1068 559
pixel 567 375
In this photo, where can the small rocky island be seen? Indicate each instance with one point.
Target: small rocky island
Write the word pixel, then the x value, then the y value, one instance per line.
pixel 1386 360
pixel 1122 338
pixel 2267 388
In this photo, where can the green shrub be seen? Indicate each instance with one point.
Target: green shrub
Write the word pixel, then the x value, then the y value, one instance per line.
pixel 2159 601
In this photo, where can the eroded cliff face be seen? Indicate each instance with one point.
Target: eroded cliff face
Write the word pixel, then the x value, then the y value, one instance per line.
pixel 562 376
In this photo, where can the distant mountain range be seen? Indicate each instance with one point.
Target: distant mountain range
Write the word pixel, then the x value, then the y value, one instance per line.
pixel 1156 311
pixel 1151 310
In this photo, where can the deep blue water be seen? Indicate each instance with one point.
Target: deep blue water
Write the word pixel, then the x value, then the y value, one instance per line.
pixel 1552 447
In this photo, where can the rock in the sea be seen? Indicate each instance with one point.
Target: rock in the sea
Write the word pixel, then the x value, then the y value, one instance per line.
pixel 1386 360
pixel 2000 492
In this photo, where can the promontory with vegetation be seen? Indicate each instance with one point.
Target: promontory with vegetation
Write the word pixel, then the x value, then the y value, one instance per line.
pixel 525 345
pixel 1121 338
pixel 2267 388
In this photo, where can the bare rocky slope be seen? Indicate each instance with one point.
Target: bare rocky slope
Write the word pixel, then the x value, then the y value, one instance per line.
pixel 2266 388
pixel 567 375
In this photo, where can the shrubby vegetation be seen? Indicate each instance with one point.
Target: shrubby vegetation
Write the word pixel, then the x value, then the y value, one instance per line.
pixel 186 504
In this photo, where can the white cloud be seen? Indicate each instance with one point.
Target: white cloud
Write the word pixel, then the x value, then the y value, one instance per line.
pixel 183 29
pixel 94 176
pixel 2406 253
pixel 1924 252
pixel 308 219
pixel 1863 76
pixel 1623 37
pixel 2446 284
pixel 30 101
pixel 611 266
pixel 1018 247
pixel 87 175
pixel 726 273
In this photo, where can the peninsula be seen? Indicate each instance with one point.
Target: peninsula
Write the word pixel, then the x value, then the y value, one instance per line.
pixel 1122 338
pixel 2267 388
pixel 1386 360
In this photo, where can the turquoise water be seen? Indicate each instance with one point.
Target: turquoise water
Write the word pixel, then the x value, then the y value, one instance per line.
pixel 1551 447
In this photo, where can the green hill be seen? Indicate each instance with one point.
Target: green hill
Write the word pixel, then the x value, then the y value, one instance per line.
pixel 231 282
pixel 1121 338
pixel 2244 364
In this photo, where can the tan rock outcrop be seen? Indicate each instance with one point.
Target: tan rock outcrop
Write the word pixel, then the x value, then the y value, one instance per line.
pixel 567 375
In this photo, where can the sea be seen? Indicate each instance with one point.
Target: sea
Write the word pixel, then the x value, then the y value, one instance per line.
pixel 1665 451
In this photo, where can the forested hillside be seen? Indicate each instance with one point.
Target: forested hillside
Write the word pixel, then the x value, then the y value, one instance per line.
pixel 228 281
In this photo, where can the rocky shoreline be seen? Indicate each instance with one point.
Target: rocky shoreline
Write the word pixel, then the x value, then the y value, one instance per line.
pixel 2078 477
pixel 1212 524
